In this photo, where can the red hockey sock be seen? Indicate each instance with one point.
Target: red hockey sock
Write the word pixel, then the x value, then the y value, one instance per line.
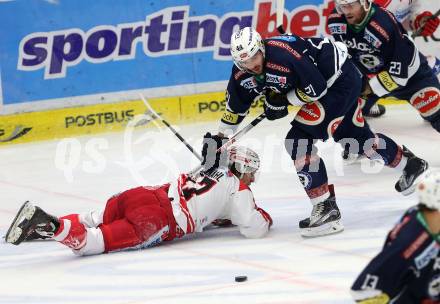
pixel 71 232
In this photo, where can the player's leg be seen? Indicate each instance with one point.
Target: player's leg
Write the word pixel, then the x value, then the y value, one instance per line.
pixel 355 133
pixel 67 230
pixel 143 227
pixel 325 217
pixel 318 121
pixel 371 108
pixel 31 220
pixel 138 218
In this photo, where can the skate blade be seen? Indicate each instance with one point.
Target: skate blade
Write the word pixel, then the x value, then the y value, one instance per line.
pixel 326 229
pixel 412 188
pixel 409 191
pixel 26 211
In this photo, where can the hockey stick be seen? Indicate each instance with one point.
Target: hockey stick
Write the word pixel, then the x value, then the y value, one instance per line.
pixel 157 116
pixel 235 137
pixel 18 132
pixel 280 16
pixel 420 29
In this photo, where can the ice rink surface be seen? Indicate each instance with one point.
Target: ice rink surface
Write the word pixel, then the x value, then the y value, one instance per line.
pixel 75 175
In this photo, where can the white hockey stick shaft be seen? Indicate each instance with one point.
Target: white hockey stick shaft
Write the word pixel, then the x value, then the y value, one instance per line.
pixel 177 134
pixel 280 16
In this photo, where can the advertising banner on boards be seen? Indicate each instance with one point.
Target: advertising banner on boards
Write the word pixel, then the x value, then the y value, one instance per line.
pixel 54 50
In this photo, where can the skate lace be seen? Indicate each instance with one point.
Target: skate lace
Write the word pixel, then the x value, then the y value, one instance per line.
pixel 317 212
pixel 45 229
pixel 403 181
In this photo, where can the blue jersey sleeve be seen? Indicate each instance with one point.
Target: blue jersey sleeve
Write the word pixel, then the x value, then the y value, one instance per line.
pixel 400 53
pixel 388 274
pixel 241 92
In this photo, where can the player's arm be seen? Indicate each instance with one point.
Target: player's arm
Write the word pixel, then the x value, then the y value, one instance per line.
pixel 403 63
pixel 239 98
pixel 252 221
pixel 308 81
pixel 385 276
pixel 310 86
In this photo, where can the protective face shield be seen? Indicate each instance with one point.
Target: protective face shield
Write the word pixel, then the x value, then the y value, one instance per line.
pixel 243 159
pixel 245 43
pixel 366 4
pixel 428 189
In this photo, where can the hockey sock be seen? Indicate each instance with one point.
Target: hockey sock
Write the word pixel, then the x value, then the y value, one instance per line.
pixel 313 176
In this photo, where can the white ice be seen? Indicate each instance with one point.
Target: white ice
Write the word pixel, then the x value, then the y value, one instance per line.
pixel 76 175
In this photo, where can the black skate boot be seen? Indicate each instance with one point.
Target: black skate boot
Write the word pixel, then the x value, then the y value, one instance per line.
pixel 325 218
pixel 351 158
pixel 414 168
pixel 376 110
pixel 31 222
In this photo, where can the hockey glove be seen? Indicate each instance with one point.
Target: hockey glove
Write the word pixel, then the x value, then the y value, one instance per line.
pixel 427 23
pixel 212 158
pixel 275 106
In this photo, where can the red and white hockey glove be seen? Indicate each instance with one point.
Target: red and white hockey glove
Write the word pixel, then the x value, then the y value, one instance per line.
pixel 427 24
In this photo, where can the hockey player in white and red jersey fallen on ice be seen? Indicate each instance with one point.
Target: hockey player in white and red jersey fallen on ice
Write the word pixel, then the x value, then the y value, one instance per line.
pixel 387 56
pixel 146 216
pixel 317 75
pixel 407 270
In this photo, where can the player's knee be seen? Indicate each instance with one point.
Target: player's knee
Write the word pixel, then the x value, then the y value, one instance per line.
pixel 427 102
pixel 298 148
pixel 147 221
pixel 297 143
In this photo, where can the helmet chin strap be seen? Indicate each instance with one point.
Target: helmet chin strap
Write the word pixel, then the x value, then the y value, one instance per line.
pixel 367 11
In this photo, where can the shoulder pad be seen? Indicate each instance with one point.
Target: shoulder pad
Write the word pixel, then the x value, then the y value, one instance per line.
pixel 334 16
pixel 278 44
pixel 382 23
pixel 237 73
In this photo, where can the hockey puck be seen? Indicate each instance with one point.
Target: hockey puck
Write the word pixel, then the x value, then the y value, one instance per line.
pixel 240 278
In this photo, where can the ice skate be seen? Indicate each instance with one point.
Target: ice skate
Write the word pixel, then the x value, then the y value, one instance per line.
pixel 351 158
pixel 377 110
pixel 31 222
pixel 414 168
pixel 325 218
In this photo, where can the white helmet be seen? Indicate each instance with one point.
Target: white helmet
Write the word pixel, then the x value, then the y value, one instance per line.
pixel 245 43
pixel 244 159
pixel 365 3
pixel 429 189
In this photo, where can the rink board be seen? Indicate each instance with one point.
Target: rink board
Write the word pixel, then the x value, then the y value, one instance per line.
pixel 114 117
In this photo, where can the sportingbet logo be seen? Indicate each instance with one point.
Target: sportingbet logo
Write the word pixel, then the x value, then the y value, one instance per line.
pixel 167 32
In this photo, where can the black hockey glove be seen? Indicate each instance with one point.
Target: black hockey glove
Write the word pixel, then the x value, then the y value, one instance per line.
pixel 211 158
pixel 275 106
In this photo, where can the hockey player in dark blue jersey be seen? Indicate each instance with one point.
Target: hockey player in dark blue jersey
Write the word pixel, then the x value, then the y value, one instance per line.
pixel 317 75
pixel 407 270
pixel 386 56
